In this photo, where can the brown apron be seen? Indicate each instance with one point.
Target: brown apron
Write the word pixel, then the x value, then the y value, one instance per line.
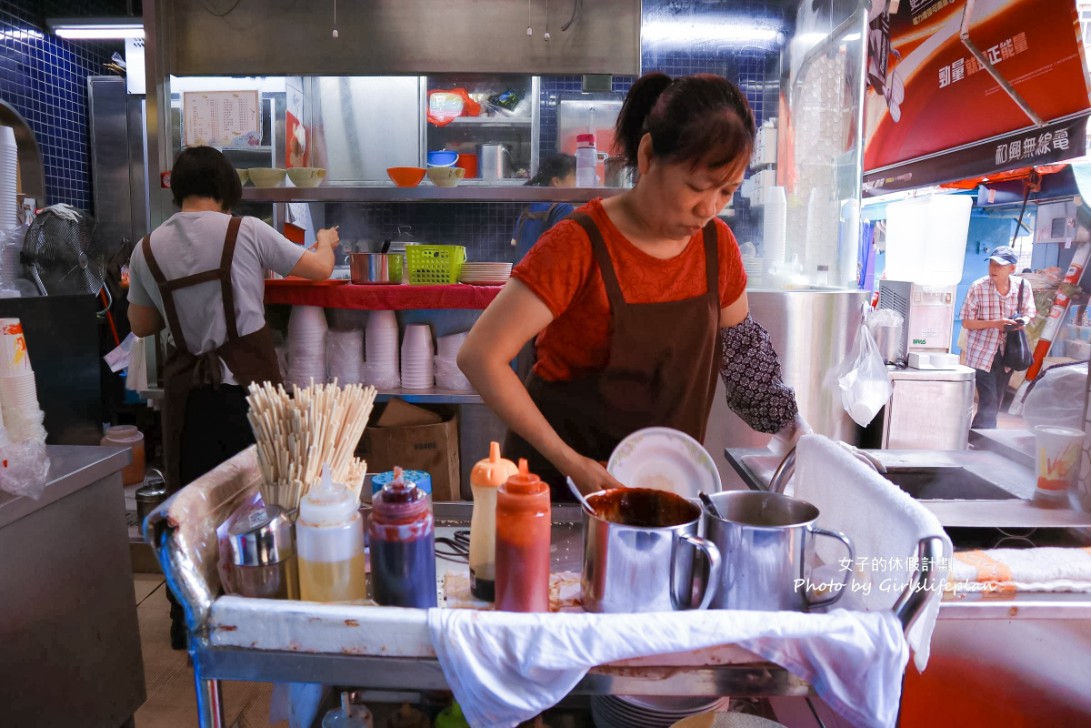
pixel 250 358
pixel 661 371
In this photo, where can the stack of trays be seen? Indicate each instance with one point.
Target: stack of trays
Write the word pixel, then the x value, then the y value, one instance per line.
pixel 621 711
pixel 485 274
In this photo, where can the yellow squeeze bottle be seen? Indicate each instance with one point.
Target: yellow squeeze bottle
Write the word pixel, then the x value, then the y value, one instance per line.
pixel 485 478
pixel 330 544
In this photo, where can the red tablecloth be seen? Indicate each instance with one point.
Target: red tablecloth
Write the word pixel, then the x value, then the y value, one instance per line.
pixel 330 294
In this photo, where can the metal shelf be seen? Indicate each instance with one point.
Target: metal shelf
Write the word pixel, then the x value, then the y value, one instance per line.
pixel 471 191
pixel 488 121
pixel 430 396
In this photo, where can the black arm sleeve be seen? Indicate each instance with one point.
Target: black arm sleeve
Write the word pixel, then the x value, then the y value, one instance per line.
pixel 750 369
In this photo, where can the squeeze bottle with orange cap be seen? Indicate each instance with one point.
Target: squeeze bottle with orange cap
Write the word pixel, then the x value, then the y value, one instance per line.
pixel 487 475
pixel 522 543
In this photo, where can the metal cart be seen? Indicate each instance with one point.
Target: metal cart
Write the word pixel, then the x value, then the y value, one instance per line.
pixel 234 638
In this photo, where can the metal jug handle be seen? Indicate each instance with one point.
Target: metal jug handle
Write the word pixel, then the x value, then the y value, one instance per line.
pixel 714 565
pixel 848 572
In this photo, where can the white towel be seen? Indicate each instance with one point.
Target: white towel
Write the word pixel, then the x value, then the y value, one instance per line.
pixel 1036 570
pixel 507 667
pixel 884 523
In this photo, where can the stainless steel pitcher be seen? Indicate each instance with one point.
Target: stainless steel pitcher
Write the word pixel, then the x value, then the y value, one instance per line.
pixel 764 539
pixel 493 161
pixel 646 568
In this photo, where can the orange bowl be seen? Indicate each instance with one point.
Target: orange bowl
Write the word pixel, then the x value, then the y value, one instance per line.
pixel 406 176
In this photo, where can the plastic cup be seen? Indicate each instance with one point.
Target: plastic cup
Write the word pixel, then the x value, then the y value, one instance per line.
pixel 1056 463
pixel 14 357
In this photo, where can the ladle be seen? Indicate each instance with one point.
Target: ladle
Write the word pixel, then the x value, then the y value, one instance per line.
pixel 709 504
pixel 579 496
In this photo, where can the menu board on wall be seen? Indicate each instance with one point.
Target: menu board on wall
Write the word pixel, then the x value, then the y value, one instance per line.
pixel 934 113
pixel 221 118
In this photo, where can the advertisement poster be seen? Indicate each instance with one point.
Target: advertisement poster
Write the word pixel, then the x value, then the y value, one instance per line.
pixel 929 94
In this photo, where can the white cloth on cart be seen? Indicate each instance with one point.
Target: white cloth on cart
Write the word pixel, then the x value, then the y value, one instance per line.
pixel 507 667
pixel 884 524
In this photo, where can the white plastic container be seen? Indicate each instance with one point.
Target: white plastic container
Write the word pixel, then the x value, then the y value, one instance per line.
pixel 330 545
pixel 586 159
pixel 926 239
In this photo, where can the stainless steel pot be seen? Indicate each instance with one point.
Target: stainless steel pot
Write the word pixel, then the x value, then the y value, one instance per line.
pixel 369 269
pixel 646 562
pixel 764 539
pixel 493 161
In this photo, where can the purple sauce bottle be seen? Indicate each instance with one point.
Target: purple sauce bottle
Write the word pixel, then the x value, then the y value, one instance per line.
pixel 403 546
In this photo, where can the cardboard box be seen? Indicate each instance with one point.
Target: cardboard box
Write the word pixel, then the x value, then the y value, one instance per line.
pixel 414 438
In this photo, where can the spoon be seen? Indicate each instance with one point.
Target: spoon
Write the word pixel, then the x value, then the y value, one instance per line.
pixel 709 504
pixel 579 496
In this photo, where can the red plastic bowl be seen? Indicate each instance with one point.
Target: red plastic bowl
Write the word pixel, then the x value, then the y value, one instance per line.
pixel 406 176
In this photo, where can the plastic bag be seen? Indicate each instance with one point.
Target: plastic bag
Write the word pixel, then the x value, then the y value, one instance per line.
pixel 862 378
pixel 884 317
pixel 24 468
pixel 449 376
pixel 1056 398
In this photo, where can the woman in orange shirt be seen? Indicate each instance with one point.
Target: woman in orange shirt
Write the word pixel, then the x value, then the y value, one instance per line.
pixel 637 301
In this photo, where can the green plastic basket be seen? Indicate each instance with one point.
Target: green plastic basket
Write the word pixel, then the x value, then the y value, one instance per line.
pixel 431 265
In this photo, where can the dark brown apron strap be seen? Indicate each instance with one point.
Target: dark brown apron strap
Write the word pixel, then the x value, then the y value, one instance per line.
pixel 712 262
pixel 227 291
pixel 167 295
pixel 191 280
pixel 602 256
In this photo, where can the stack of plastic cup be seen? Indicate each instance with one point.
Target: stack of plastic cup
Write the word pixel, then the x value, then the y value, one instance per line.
pixel 22 416
pixel 418 370
pixel 1056 464
pixel 9 165
pixel 307 331
pixel 381 348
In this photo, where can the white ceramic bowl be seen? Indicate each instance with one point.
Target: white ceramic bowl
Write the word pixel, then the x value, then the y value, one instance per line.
pixel 446 176
pixel 306 176
pixel 266 176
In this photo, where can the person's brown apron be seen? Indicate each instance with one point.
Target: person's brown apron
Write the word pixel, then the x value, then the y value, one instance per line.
pixel 250 358
pixel 661 371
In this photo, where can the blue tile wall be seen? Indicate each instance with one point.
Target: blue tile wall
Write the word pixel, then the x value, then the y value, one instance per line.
pixel 44 78
pixel 484 228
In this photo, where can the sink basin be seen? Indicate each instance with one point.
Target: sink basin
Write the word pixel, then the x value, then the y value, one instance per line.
pixel 946 483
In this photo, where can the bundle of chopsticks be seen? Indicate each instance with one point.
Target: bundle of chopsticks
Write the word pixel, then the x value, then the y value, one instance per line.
pixel 296 434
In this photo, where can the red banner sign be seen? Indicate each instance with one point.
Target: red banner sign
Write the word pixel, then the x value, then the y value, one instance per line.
pixel 929 93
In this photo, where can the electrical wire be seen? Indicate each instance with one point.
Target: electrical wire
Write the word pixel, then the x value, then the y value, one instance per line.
pixel 227 12
pixel 577 6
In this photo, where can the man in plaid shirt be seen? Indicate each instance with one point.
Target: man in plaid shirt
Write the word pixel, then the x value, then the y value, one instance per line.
pixel 992 309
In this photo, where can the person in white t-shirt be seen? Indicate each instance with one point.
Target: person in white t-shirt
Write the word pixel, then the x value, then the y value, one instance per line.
pixel 201 274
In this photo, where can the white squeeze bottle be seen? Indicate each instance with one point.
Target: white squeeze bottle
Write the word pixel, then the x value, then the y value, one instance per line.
pixel 586 160
pixel 330 544
pixel 485 478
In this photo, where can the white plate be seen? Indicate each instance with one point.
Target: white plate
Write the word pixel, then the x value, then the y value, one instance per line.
pixel 662 458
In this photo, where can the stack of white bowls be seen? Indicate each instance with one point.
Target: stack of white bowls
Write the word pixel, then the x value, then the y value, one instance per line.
pixel 418 371
pixel 448 375
pixel 381 344
pixel 22 417
pixel 345 355
pixel 9 166
pixel 307 332
pixel 485 274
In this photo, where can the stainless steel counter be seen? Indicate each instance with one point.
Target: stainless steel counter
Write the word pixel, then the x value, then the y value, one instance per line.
pixel 71 645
